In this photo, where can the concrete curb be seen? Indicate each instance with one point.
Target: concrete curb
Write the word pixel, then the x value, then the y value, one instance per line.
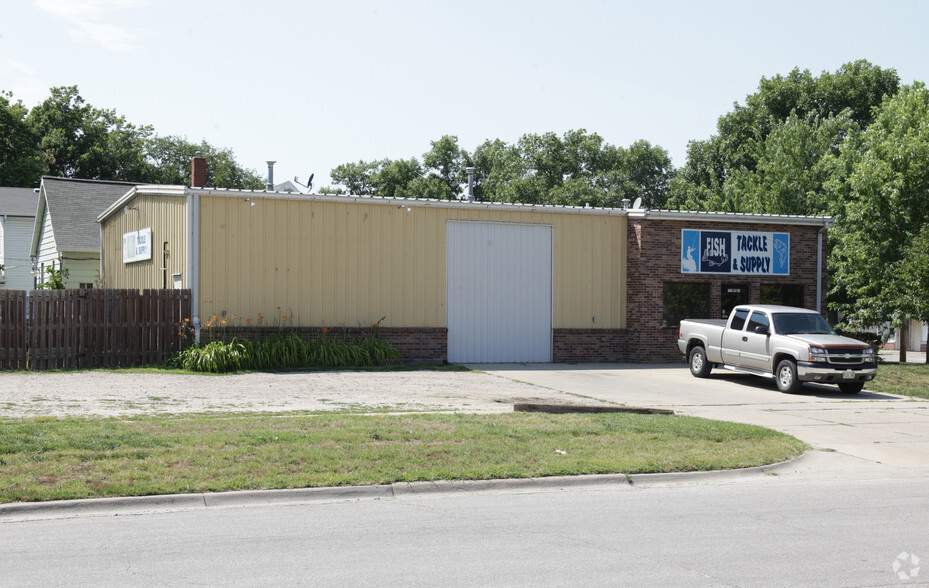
pixel 177 502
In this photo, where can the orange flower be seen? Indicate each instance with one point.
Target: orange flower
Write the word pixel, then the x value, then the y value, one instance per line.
pixel 248 320
pixel 325 330
pixel 235 316
pixel 175 324
pixel 278 307
pixel 377 325
pixel 283 316
pixel 224 321
pixel 291 316
pixel 187 320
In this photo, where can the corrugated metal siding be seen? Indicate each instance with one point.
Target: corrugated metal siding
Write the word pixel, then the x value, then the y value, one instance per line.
pixel 499 292
pixel 166 215
pixel 349 264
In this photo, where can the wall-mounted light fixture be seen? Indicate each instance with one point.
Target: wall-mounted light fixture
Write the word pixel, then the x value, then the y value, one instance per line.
pixel 404 207
pixel 128 208
pixel 250 201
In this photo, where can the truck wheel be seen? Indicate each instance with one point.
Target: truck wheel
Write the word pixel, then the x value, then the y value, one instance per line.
pixel 851 387
pixel 699 366
pixel 786 377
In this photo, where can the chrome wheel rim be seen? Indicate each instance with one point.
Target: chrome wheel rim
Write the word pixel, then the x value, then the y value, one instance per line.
pixel 696 362
pixel 786 377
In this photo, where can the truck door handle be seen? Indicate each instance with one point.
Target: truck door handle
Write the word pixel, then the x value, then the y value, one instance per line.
pixel 745 338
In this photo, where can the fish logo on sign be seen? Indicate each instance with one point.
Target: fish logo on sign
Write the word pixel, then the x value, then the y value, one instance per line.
pixel 715 251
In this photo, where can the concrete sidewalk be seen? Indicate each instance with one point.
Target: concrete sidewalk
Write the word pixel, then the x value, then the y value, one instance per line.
pixel 874 428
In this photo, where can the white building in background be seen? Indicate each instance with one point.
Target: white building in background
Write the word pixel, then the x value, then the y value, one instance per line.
pixel 17 217
pixel 65 233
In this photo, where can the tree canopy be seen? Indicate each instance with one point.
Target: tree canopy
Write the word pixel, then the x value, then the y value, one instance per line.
pixel 66 137
pixel 768 154
pixel 880 199
pixel 576 168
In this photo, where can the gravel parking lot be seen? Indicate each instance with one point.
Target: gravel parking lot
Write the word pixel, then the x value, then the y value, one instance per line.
pixel 106 394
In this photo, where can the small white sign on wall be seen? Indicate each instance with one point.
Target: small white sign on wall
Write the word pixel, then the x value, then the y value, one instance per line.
pixel 137 245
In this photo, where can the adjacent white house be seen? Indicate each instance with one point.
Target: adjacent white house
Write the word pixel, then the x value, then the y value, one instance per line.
pixel 17 217
pixel 65 232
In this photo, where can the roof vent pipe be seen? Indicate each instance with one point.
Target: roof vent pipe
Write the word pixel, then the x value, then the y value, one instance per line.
pixel 470 171
pixel 271 176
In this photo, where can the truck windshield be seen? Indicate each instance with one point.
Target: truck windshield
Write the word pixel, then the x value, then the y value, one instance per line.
pixel 787 323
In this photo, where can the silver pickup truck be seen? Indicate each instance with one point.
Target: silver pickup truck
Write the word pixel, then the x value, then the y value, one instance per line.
pixel 794 345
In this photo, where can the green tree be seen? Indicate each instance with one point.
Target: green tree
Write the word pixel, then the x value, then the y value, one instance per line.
pixel 880 199
pixel 358 178
pixel 20 165
pixel 395 179
pixel 742 145
pixel 792 167
pixel 169 158
pixel 446 162
pixel 56 279
pixel 78 140
pixel 574 169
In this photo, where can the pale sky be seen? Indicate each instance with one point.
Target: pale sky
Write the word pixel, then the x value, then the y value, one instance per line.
pixel 314 84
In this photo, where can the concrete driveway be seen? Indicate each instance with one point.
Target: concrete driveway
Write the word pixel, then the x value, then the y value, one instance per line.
pixel 869 428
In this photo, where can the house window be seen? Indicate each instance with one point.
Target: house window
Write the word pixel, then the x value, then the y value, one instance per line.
pixel 684 300
pixel 783 294
pixel 86 285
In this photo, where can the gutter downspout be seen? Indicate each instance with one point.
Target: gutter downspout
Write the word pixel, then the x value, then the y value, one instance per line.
pixel 819 270
pixel 193 259
pixel 99 224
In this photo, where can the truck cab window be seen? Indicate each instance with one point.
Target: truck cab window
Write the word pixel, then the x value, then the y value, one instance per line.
pixel 759 319
pixel 738 319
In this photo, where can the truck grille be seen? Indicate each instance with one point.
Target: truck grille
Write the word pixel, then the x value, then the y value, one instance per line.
pixel 846 356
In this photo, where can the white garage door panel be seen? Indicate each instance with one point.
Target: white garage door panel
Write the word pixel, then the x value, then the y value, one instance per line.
pixel 499 290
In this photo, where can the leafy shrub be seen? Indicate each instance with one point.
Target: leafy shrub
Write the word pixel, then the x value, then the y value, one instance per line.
pixel 285 351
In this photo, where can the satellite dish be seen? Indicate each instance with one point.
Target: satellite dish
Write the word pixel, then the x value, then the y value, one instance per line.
pixel 309 183
pixel 637 204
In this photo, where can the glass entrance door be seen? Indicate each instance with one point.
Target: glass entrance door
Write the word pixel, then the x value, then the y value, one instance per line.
pixel 732 296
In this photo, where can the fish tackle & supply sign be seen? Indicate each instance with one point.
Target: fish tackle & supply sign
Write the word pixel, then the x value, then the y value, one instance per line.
pixel 735 252
pixel 137 245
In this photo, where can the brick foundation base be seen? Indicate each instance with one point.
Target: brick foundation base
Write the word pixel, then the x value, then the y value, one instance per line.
pixel 589 345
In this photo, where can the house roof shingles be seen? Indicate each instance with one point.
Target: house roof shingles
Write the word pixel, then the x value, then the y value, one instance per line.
pixel 18 201
pixel 74 206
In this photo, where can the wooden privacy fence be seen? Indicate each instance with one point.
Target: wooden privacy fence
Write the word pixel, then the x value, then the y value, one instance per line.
pixel 49 329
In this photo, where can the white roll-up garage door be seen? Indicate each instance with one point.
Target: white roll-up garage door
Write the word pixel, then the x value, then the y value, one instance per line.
pixel 499 292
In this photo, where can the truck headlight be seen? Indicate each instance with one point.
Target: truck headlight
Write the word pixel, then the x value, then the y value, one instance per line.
pixel 869 352
pixel 818 354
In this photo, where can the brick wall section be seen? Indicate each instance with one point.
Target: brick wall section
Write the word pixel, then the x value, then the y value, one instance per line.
pixel 414 344
pixel 654 257
pixel 590 345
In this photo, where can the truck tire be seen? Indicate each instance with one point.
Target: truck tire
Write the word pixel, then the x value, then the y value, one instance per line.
pixel 786 377
pixel 851 387
pixel 699 366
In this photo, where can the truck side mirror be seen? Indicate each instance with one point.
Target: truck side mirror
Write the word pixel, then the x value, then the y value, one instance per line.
pixel 761 330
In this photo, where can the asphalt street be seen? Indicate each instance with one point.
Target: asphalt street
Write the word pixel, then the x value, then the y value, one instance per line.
pixel 852 512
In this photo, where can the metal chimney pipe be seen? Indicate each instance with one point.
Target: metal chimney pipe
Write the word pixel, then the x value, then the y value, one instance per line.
pixel 470 171
pixel 271 176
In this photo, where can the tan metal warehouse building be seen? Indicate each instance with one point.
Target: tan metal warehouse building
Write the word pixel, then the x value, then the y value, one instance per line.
pixel 456 281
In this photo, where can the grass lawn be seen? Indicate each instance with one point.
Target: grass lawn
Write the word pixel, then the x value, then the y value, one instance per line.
pixel 50 459
pixel 910 379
